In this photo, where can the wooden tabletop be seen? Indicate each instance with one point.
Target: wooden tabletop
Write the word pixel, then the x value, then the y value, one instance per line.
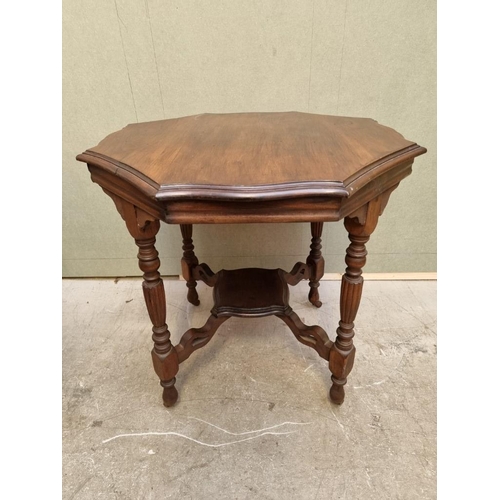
pixel 245 156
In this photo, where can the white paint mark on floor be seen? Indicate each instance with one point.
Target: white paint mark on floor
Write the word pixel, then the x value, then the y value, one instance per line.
pixel 218 445
pixel 257 382
pixel 250 432
pixel 346 434
pixel 259 431
pixel 368 478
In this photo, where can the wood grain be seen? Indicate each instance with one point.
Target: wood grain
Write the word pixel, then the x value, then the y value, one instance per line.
pixel 248 156
pixel 243 168
pixel 251 292
pixel 343 352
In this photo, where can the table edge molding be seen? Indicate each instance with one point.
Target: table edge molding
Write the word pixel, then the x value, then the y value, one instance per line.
pixel 260 192
pixel 115 167
pixel 381 166
pixel 264 192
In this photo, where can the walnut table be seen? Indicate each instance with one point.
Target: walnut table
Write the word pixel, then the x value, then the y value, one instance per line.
pixel 252 167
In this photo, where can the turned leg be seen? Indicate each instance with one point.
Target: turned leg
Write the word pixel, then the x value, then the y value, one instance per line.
pixel 164 356
pixel 188 262
pixel 144 227
pixel 316 263
pixel 343 351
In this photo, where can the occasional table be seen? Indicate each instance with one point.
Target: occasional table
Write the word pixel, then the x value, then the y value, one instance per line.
pixel 252 168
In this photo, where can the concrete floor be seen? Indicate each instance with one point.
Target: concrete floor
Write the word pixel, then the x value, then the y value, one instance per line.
pixel 253 383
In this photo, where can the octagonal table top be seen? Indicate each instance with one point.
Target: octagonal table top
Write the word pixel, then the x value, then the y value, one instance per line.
pixel 242 156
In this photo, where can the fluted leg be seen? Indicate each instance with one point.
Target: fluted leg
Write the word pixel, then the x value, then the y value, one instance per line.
pixel 316 263
pixel 188 262
pixel 144 226
pixel 342 352
pixel 164 356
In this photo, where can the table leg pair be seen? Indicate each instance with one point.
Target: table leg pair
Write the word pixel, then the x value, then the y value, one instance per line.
pixel 315 262
pixel 339 354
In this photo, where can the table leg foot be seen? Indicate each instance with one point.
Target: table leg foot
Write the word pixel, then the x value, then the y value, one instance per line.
pixel 314 294
pixel 337 393
pixel 192 294
pixel 170 393
pixel 341 363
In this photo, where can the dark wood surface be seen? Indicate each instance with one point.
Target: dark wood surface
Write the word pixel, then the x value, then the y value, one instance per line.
pixel 242 156
pixel 250 292
pixel 188 262
pixel 252 167
pixel 316 262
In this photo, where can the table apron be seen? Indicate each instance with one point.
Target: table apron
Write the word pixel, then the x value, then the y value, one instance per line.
pixel 310 209
pixel 220 212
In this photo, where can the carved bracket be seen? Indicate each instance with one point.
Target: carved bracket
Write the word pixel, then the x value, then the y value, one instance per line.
pixel 203 273
pixel 115 186
pixel 299 272
pixel 363 212
pixel 140 224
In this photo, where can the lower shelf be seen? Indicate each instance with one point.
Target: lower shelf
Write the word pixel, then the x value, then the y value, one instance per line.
pixel 251 292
